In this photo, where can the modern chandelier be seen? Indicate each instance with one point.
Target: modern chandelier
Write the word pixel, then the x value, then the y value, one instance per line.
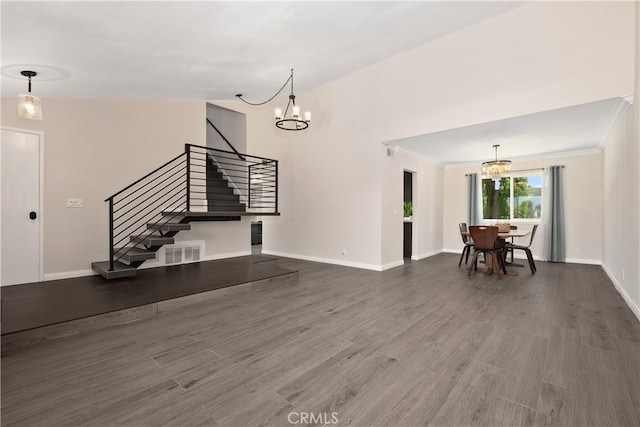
pixel 29 106
pixel 496 169
pixel 291 119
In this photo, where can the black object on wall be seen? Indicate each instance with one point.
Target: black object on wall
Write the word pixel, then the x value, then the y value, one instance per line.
pixel 408 186
pixel 408 226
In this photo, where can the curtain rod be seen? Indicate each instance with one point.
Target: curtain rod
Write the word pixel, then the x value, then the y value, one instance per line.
pixel 525 170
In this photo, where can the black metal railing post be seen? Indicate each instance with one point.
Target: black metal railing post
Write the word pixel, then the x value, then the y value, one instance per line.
pixel 111 263
pixel 187 148
pixel 276 181
pixel 249 189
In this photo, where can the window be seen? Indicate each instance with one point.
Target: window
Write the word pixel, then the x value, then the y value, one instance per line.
pixel 511 198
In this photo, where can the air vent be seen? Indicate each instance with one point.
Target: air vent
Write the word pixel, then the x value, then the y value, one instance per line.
pixel 184 252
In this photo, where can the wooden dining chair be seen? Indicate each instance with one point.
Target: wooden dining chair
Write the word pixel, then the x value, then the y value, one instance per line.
pixel 468 243
pixel 484 240
pixel 526 249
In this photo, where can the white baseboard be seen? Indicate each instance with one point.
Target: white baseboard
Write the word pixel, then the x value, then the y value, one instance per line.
pixel 538 258
pixel 632 305
pixel 69 274
pixel 426 255
pixel 332 261
pixel 583 261
pixel 392 265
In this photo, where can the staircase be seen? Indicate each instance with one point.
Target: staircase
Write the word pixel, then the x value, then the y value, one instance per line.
pixel 201 184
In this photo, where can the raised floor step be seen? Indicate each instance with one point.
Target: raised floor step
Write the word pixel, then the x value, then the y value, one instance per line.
pixel 119 270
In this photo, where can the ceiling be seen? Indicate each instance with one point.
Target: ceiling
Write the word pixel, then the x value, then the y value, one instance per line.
pixel 210 49
pixel 567 130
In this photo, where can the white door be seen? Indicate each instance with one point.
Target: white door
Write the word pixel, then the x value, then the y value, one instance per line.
pixel 20 211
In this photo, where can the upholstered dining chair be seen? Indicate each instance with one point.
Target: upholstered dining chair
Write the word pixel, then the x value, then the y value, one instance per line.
pixel 468 243
pixel 526 249
pixel 484 240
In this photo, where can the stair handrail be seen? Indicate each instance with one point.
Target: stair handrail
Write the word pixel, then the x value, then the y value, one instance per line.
pixel 224 138
pixel 241 171
pixel 144 177
pixel 154 199
pixel 168 195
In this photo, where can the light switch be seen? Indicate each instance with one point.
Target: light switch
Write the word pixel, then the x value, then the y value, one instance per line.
pixel 74 203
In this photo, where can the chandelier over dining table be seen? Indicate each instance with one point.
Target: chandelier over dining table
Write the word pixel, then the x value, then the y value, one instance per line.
pixel 496 169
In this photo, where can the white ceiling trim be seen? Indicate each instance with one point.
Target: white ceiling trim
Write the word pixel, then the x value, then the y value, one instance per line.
pixel 616 116
pixel 572 153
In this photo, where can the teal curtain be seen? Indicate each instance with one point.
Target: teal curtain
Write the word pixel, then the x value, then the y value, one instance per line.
pixel 555 244
pixel 473 217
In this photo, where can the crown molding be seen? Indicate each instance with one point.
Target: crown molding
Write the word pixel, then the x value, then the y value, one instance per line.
pixel 616 116
pixel 554 155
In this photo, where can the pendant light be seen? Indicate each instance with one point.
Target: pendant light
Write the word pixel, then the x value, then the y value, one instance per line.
pixel 29 106
pixel 496 169
pixel 290 119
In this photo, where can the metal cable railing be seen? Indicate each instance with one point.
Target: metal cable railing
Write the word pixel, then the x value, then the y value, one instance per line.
pixel 253 179
pixel 137 210
pixel 201 179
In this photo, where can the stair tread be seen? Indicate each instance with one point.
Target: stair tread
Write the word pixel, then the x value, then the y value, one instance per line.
pixel 219 213
pixel 119 270
pixel 152 240
pixel 171 226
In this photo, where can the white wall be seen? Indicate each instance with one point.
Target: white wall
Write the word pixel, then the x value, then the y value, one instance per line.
pixel 583 206
pixel 231 124
pixel 333 182
pixel 427 208
pixel 621 177
pixel 93 148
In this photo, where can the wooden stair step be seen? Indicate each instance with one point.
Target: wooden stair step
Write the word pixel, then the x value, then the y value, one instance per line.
pixel 133 254
pixel 152 240
pixel 215 214
pixel 168 227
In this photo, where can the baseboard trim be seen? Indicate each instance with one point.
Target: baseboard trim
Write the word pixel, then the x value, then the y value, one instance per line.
pixel 392 265
pixel 634 308
pixel 426 255
pixel 330 260
pixel 538 258
pixel 583 261
pixel 69 274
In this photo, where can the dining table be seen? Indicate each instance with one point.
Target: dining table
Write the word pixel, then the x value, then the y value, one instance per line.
pixel 502 237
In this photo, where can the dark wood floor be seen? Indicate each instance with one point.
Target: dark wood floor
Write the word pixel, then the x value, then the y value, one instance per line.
pixel 40 304
pixel 420 344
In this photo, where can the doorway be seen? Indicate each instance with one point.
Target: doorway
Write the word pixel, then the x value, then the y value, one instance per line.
pixel 21 226
pixel 408 214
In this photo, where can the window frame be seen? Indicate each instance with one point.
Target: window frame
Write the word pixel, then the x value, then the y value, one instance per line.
pixel 511 177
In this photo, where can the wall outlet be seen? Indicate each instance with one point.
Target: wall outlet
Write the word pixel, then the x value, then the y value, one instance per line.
pixel 578 250
pixel 74 203
pixel 623 274
pixel 344 252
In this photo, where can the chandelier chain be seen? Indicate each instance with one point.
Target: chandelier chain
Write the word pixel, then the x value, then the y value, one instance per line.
pixel 257 104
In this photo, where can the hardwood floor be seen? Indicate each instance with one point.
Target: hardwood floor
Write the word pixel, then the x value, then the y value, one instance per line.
pixel 421 344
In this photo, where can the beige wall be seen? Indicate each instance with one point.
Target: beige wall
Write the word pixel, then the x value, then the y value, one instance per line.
pixel 582 202
pixel 93 148
pixel 621 177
